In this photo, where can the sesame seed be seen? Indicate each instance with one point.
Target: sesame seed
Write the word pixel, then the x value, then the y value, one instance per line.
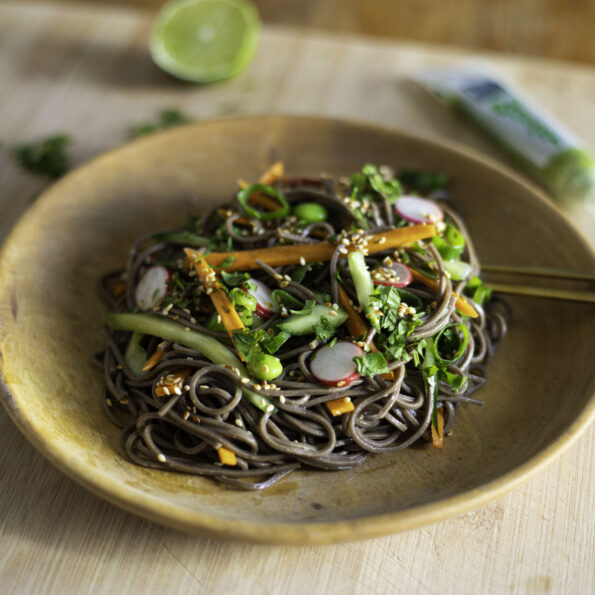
pixel 177 390
pixel 245 380
pixel 278 277
pixel 109 402
pixel 332 313
pixel 161 457
pixel 186 415
pixel 186 387
pixel 341 383
pixel 270 408
pixel 204 386
pixel 283 284
pixel 287 278
pixel 259 387
pixel 265 369
pixel 187 329
pixel 239 423
pixel 282 399
pixel 219 318
pixel 302 260
pixel 124 401
pixel 312 345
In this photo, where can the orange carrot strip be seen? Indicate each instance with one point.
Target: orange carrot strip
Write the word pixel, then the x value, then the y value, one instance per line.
pixel 462 304
pixel 356 325
pixel 229 317
pixel 319 252
pixel 119 289
pixel 155 357
pixel 226 456
pixel 260 199
pixel 272 174
pixel 438 437
pixel 172 384
pixel 340 406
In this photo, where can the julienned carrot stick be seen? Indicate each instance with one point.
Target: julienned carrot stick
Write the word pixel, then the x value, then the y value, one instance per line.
pixel 340 406
pixel 226 456
pixel 272 174
pixel 319 252
pixel 229 317
pixel 462 304
pixel 356 324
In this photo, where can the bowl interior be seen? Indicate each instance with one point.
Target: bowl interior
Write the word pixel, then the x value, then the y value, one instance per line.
pixel 540 382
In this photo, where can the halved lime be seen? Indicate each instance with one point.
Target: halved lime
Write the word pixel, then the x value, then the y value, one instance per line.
pixel 205 40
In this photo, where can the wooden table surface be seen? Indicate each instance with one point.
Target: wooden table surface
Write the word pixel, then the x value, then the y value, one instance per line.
pixel 86 71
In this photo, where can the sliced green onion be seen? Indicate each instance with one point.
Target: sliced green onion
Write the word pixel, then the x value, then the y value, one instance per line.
pixel 452 334
pixel 245 194
pixel 457 269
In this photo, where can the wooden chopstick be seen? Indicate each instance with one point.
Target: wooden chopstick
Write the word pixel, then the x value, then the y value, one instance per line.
pixel 543 292
pixel 539 272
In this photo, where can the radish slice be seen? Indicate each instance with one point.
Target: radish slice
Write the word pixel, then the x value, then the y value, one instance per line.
pixel 418 210
pixel 152 287
pixel 265 307
pixel 334 366
pixel 397 275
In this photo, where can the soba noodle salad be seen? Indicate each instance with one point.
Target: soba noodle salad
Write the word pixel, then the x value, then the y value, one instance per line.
pixel 307 323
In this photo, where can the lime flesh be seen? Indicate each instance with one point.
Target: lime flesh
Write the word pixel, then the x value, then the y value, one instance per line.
pixel 205 40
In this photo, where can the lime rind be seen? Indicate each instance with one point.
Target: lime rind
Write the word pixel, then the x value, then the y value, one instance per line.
pixel 205 41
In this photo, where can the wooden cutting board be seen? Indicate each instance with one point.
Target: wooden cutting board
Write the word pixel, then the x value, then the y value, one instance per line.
pixel 86 71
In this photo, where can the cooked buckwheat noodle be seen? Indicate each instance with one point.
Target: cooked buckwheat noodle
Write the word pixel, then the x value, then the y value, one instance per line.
pixel 182 432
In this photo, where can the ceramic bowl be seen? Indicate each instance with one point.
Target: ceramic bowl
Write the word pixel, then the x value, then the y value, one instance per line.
pixel 538 398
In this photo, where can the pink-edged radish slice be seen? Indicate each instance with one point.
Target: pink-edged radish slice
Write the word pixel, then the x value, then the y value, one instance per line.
pixel 334 366
pixel 152 287
pixel 418 210
pixel 397 275
pixel 265 306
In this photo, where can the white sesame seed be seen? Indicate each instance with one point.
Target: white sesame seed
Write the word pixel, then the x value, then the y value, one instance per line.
pixel 239 423
pixel 302 260
pixel 258 387
pixel 161 457
pixel 270 408
pixel 109 402
pixel 282 399
pixel 245 380
pixel 186 415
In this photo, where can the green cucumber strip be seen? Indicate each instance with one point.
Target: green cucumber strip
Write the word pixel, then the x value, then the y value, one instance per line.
pixel 173 331
pixel 364 286
pixel 303 324
pixel 135 355
pixel 457 269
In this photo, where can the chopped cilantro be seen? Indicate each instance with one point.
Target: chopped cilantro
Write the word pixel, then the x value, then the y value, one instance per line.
pixel 370 364
pixel 167 118
pixel 47 157
pixel 234 279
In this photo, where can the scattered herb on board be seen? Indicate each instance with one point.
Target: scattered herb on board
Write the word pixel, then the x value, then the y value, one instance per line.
pixel 167 118
pixel 46 157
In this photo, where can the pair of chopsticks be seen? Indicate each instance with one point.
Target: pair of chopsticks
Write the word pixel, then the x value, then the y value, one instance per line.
pixel 584 295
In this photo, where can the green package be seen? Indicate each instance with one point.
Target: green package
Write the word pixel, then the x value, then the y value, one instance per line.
pixel 543 146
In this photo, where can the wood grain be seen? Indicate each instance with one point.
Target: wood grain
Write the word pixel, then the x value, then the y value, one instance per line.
pixel 86 70
pixel 549 28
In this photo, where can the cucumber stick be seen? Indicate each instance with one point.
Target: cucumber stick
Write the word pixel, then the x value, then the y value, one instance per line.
pixel 303 324
pixel 173 331
pixel 362 281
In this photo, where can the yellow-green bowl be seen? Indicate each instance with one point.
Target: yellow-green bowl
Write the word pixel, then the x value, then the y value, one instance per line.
pixel 539 395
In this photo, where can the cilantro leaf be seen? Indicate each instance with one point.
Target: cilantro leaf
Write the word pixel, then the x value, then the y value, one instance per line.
pixel 370 364
pixel 167 118
pixel 234 279
pixel 47 157
pixel 325 330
